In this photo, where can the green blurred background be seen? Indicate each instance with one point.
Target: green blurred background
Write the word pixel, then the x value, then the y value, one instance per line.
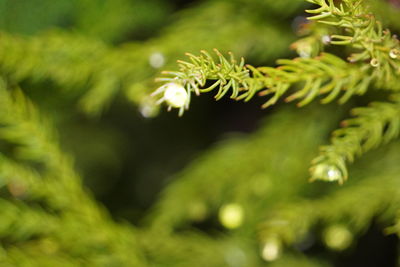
pixel 125 159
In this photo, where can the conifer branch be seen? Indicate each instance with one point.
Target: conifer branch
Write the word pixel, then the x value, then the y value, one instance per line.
pixel 55 187
pixel 376 63
pixel 378 195
pixel 325 75
pixel 320 75
pixel 21 221
pixel 372 126
pixel 363 32
pixel 25 128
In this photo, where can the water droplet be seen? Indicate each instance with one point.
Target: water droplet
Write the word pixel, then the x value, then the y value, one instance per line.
pixel 157 60
pixel 175 95
pixel 231 215
pixel 327 172
pixel 394 53
pixel 271 249
pixel 337 237
pixel 333 174
pixel 148 107
pixel 235 257
pixel 374 63
pixel 326 39
pixel 148 111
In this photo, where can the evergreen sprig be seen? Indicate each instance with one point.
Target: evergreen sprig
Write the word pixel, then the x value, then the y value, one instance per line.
pixel 379 123
pixel 324 75
pixel 225 74
pixel 363 32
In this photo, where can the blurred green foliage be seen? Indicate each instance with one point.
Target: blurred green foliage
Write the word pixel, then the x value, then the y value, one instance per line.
pixel 109 20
